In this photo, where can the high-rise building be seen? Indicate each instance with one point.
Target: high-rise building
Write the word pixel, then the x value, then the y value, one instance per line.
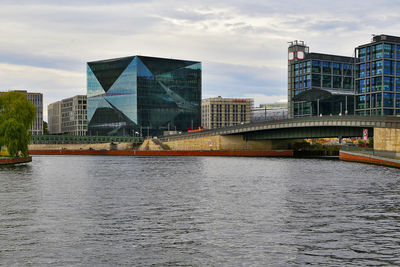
pixel 144 95
pixel 68 116
pixel 378 76
pixel 319 84
pixel 219 112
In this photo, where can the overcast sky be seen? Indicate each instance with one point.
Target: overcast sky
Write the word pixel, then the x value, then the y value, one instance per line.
pixel 242 44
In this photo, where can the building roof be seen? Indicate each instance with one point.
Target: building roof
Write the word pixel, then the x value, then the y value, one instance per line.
pixel 328 57
pixel 321 94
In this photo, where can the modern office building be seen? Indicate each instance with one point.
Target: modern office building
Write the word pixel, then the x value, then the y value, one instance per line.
pixel 143 95
pixel 68 116
pixel 220 112
pixel 319 84
pixel 377 77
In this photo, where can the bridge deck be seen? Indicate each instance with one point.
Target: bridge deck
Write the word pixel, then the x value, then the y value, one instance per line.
pixel 345 126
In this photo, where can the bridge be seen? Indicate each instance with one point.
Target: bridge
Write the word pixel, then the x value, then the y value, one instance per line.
pixel 383 129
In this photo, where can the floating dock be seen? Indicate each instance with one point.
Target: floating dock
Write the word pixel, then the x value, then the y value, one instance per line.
pixel 10 161
pixel 371 159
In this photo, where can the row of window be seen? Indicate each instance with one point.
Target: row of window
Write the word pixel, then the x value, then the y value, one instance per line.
pixel 378 51
pixel 378 84
pixel 388 100
pixel 388 67
pixel 324 67
pixel 235 117
pixel 325 81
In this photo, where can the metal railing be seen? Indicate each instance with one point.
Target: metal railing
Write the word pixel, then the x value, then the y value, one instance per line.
pixel 370 151
pixel 72 139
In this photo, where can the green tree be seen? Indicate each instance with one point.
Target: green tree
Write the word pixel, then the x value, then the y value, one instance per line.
pixel 16 117
pixel 45 128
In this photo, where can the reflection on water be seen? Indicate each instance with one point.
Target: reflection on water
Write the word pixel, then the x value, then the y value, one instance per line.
pixel 73 210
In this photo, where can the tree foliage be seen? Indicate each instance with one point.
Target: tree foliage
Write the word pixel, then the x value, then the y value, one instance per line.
pixel 16 116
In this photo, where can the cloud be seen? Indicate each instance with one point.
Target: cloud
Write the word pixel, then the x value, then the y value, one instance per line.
pixel 242 43
pixel 52 83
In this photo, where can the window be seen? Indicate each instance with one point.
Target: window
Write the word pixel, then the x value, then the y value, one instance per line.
pixel 362 54
pixel 398 52
pixel 388 99
pixel 388 111
pixel 388 67
pixel 388 51
pixel 347 69
pixel 362 71
pixel 360 101
pixel 316 66
pixel 326 81
pixel 377 51
pixel 362 86
pixel 397 84
pixel 388 83
pixel 316 80
pixel 337 82
pixel 398 101
pixel 376 84
pixel 337 68
pixel 326 67
pixel 347 83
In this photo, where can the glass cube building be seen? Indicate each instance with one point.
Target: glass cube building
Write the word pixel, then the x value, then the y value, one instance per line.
pixel 377 78
pixel 144 96
pixel 319 84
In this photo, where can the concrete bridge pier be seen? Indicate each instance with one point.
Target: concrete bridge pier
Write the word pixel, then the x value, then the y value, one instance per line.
pixel 227 142
pixel 387 139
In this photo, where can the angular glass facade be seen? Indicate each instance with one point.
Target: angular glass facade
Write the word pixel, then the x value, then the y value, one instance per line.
pixel 142 96
pixel 377 79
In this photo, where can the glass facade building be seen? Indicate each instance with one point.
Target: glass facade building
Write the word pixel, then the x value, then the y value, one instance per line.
pixel 377 79
pixel 319 84
pixel 141 95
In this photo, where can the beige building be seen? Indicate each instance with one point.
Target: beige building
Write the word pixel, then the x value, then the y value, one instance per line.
pixel 221 112
pixel 68 116
pixel 54 117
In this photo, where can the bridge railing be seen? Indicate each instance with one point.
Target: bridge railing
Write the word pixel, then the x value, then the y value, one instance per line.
pixel 72 139
pixel 370 151
pixel 347 121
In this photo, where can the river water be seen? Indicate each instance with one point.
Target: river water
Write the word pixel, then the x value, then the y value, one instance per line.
pixel 198 211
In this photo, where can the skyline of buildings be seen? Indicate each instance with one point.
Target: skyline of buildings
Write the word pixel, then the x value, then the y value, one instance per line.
pixel 128 97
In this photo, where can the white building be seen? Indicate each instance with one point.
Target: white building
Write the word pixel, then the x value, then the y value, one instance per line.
pixel 68 116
